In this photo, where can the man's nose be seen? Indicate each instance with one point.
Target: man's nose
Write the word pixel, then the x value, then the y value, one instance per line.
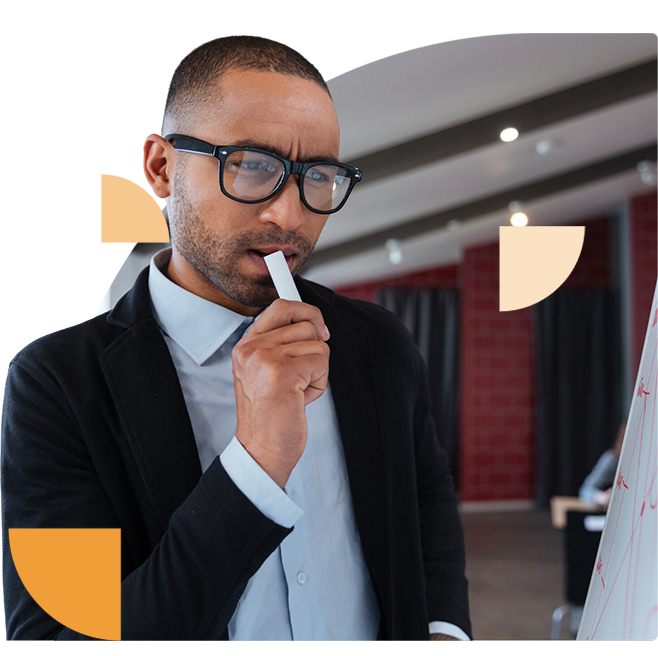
pixel 286 208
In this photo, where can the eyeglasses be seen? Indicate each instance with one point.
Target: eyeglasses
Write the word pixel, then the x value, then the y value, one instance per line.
pixel 252 175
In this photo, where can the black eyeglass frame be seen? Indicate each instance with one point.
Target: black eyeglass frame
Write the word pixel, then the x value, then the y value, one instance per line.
pixel 188 144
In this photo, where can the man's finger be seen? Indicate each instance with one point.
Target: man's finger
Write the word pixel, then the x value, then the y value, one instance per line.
pixel 283 313
pixel 304 331
pixel 292 366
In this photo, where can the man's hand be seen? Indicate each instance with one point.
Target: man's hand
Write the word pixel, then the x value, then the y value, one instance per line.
pixel 602 497
pixel 279 366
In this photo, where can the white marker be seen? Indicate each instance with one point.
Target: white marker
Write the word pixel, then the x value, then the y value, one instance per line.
pixel 281 276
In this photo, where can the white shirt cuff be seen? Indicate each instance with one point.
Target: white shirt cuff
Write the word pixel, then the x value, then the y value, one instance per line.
pixel 252 480
pixel 448 629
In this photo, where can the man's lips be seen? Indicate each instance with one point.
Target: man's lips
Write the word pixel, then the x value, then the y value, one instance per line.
pixel 268 250
pixel 257 256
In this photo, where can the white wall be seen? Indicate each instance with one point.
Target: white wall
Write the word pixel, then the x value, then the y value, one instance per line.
pixel 74 232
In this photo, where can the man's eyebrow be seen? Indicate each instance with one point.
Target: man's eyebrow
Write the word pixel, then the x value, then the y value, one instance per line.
pixel 250 143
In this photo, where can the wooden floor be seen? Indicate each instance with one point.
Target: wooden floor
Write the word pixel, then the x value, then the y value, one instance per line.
pixel 514 569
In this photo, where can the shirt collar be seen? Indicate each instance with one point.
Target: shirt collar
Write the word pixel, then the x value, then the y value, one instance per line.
pixel 198 326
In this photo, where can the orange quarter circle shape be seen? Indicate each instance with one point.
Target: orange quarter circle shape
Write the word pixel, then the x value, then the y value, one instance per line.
pixel 74 574
pixel 535 261
pixel 129 214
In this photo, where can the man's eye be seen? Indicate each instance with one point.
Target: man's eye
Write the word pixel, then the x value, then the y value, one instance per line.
pixel 258 166
pixel 317 176
pixel 252 166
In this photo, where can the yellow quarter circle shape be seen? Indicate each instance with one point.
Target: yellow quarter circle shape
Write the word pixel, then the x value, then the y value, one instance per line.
pixel 129 214
pixel 74 574
pixel 535 261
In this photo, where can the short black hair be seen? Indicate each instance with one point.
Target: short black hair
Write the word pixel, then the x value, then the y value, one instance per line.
pixel 195 78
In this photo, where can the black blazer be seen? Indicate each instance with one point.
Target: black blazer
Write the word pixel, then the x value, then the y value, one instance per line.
pixel 96 434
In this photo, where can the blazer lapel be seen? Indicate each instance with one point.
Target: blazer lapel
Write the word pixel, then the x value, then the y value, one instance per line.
pixel 145 388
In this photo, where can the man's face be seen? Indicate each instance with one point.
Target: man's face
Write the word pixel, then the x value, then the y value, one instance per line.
pixel 224 240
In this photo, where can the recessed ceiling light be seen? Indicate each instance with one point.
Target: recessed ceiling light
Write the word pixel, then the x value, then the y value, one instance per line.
pixel 519 219
pixel 544 146
pixel 394 251
pixel 647 170
pixel 509 134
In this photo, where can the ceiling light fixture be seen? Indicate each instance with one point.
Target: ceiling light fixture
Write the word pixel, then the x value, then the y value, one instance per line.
pixel 647 170
pixel 509 134
pixel 544 146
pixel 518 218
pixel 394 251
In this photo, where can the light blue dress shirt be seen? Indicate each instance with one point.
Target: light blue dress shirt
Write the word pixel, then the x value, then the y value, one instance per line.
pixel 316 584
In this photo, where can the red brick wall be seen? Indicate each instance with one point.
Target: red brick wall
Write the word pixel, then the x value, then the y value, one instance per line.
pixel 643 267
pixel 497 372
pixel 496 386
pixel 497 364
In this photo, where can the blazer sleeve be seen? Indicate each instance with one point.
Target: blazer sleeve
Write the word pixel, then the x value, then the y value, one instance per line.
pixel 442 537
pixel 189 585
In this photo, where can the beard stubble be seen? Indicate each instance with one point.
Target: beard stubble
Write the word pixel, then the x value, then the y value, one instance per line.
pixel 216 259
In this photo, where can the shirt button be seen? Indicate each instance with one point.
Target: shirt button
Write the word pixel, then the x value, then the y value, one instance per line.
pixel 301 578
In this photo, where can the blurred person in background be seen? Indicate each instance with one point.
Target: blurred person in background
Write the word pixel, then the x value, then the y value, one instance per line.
pixel 597 487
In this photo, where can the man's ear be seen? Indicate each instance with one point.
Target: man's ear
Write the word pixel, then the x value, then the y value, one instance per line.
pixel 158 164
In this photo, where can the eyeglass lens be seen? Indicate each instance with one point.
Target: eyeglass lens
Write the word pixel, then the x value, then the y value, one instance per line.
pixel 253 176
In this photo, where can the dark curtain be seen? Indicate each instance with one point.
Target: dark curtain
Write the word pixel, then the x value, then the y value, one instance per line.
pixel 577 386
pixel 432 317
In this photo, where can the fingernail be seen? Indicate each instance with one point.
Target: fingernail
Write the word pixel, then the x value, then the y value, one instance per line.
pixel 326 330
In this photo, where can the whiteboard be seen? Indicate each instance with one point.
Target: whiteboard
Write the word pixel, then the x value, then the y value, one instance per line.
pixel 622 599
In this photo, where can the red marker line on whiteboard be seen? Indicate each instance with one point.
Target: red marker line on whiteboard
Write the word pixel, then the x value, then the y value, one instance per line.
pixel 281 276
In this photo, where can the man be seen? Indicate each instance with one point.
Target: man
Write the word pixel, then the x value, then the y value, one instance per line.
pixel 208 436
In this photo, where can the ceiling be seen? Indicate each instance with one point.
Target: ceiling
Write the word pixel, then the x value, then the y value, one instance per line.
pixel 423 126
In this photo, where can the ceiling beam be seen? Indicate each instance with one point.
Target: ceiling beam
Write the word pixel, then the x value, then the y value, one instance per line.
pixel 527 193
pixel 525 117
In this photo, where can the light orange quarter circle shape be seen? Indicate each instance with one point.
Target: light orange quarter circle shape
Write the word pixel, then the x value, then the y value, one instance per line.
pixel 129 214
pixel 74 574
pixel 535 261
